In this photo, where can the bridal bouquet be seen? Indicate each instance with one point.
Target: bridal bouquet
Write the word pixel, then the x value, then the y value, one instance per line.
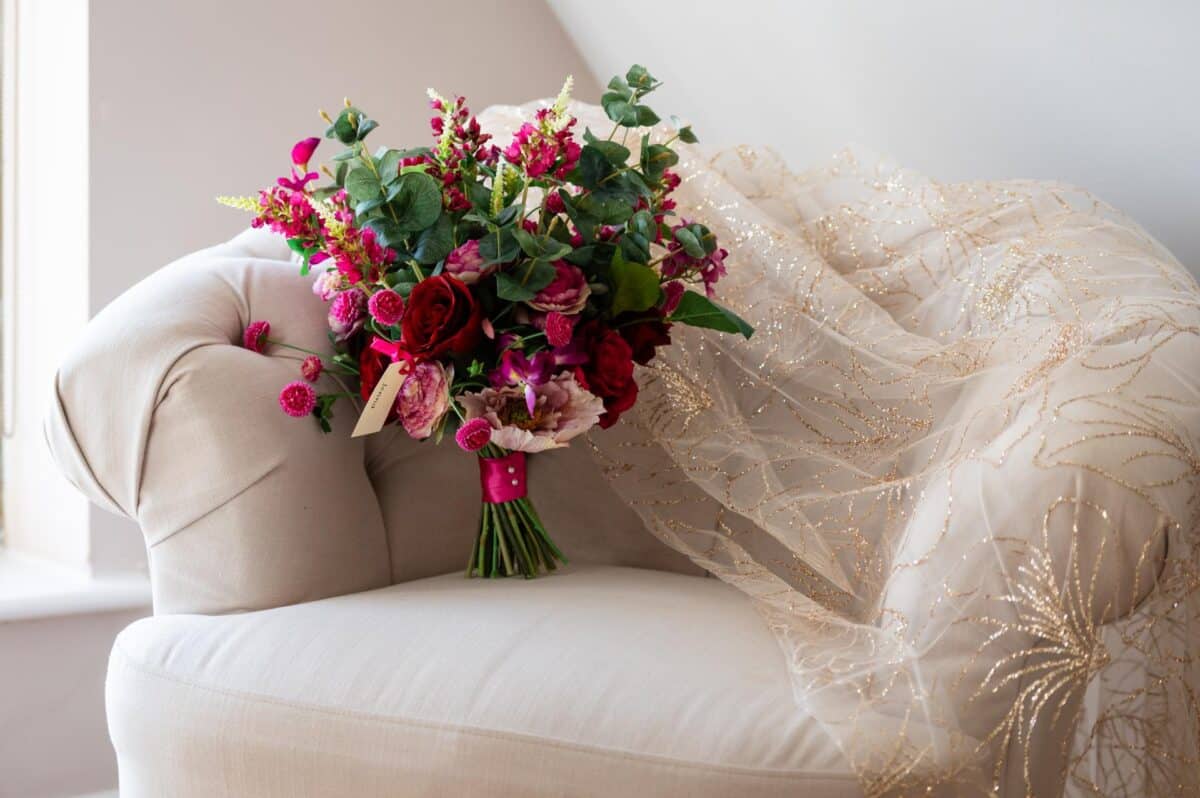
pixel 499 294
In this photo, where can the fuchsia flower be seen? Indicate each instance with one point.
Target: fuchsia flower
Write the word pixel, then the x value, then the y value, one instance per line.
pixel 346 313
pixel 567 293
pixel 297 399
pixel 547 146
pixel 672 293
pixel 466 263
pixel 527 373
pixel 474 435
pixel 561 410
pixel 254 337
pixel 678 263
pixel 311 368
pixel 303 150
pixel 386 307
pixel 423 399
pixel 559 328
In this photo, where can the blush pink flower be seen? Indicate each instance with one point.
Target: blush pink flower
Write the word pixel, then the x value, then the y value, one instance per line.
pixel 346 313
pixel 423 399
pixel 255 335
pixel 466 263
pixel 567 293
pixel 387 307
pixel 328 284
pixel 474 435
pixel 297 399
pixel 311 368
pixel 562 410
pixel 559 328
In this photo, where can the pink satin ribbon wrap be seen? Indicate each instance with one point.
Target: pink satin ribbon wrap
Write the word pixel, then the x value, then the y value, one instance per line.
pixel 392 349
pixel 502 479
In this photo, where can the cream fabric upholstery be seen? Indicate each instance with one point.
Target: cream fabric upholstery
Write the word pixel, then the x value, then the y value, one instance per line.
pixel 599 683
pixel 161 415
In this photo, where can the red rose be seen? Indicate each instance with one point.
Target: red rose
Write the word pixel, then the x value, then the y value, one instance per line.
pixel 441 317
pixel 608 372
pixel 645 337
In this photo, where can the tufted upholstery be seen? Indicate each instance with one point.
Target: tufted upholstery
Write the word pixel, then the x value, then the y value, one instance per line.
pixel 162 416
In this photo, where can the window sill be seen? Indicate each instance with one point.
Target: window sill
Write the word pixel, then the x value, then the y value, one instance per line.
pixel 31 588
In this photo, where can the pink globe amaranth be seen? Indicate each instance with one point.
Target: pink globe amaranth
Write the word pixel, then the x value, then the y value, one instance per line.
pixel 311 368
pixel 386 307
pixel 297 399
pixel 255 335
pixel 559 328
pixel 466 263
pixel 474 435
pixel 567 293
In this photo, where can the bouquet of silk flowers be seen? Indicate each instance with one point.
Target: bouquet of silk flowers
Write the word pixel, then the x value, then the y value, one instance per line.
pixel 500 293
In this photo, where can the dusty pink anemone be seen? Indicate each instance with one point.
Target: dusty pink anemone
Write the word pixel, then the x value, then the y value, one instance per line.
pixel 466 263
pixel 386 307
pixel 254 337
pixel 562 409
pixel 311 368
pixel 474 435
pixel 297 399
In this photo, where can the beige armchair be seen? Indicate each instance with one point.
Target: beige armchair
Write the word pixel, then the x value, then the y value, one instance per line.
pixel 311 641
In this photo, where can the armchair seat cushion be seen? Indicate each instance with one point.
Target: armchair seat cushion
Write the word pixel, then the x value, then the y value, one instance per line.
pixel 615 681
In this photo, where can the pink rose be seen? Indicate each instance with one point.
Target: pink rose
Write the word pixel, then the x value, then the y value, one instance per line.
pixel 562 410
pixel 466 263
pixel 423 399
pixel 567 293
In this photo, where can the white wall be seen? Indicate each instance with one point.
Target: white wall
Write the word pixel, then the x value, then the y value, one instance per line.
pixel 1100 94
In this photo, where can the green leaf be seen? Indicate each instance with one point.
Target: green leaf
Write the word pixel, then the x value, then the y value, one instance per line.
pixel 366 206
pixel 345 155
pixel 343 129
pixel 646 117
pixel 540 247
pixel 416 199
pixel 504 250
pixel 698 310
pixel 593 167
pixel 691 244
pixel 620 88
pixel 613 152
pixel 365 126
pixel 435 242
pixel 643 224
pixel 635 287
pixel 362 184
pixel 387 232
pixel 619 111
pixel 635 246
pixel 640 79
pixel 522 283
pixel 605 209
pixel 656 158
pixel 389 165
pixel 510 288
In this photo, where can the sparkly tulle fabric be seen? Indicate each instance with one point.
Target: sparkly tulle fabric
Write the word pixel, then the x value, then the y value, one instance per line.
pixel 957 468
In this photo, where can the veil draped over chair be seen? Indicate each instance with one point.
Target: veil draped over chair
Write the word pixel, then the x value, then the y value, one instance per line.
pixel 957 468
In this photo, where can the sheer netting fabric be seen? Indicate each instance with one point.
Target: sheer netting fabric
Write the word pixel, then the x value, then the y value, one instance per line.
pixel 956 468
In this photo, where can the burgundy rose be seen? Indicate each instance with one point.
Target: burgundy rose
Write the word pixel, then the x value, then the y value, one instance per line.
pixel 441 317
pixel 645 337
pixel 608 372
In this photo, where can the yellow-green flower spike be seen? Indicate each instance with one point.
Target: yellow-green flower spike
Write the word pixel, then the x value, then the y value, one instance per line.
pixel 241 203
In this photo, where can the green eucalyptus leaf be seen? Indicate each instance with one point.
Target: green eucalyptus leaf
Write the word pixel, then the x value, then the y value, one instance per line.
pixel 620 88
pixel 416 199
pixel 656 158
pixel 366 206
pixel 646 117
pixel 509 287
pixel 635 286
pixel 345 155
pixel 643 224
pixel 691 244
pixel 698 310
pixel 435 242
pixel 605 209
pixel 635 246
pixel 620 111
pixel 365 126
pixel 389 165
pixel 545 248
pixel 499 248
pixel 362 184
pixel 640 79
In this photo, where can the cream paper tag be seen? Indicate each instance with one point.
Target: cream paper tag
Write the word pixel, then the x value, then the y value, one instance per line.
pixel 375 414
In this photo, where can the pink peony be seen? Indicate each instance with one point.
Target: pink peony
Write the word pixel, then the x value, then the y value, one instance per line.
pixel 466 263
pixel 297 399
pixel 255 335
pixel 562 410
pixel 386 307
pixel 346 313
pixel 474 434
pixel 423 399
pixel 567 293
pixel 559 328
pixel 311 368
